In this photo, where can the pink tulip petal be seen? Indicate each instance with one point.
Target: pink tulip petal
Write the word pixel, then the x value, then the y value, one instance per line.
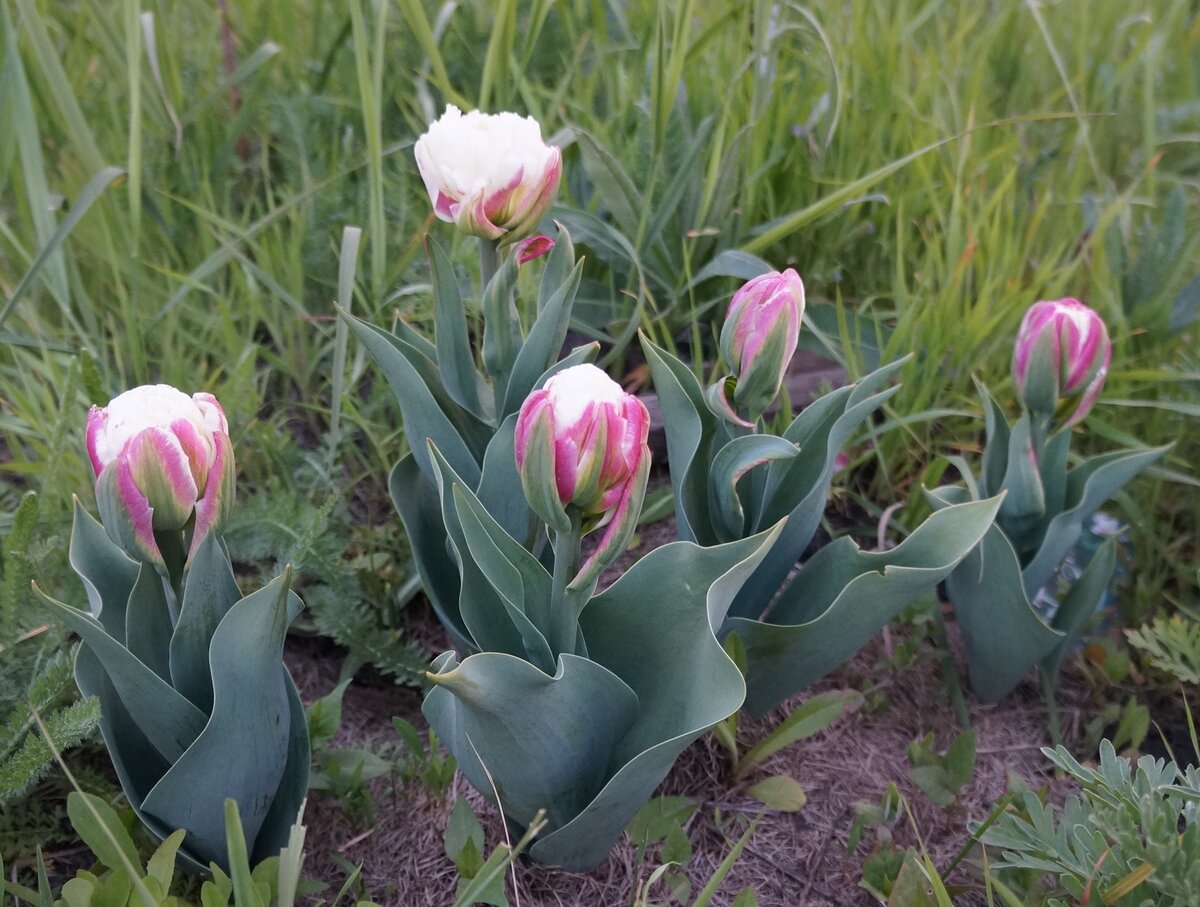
pixel 214 507
pixel 157 462
pixel 97 419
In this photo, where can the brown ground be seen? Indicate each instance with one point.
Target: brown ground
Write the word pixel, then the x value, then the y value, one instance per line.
pixel 797 859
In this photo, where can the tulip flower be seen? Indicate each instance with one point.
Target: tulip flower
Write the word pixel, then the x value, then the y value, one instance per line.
pixel 532 247
pixel 759 339
pixel 583 459
pixel 164 464
pixel 1062 353
pixel 489 174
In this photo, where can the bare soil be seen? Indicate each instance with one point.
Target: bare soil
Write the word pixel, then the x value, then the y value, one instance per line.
pixel 792 860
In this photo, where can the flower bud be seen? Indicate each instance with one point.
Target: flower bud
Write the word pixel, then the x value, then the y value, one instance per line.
pixel 490 174
pixel 164 463
pixel 532 247
pixel 582 453
pixel 759 339
pixel 1062 353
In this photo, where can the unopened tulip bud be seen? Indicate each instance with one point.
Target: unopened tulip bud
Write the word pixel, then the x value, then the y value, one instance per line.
pixel 489 174
pixel 758 340
pixel 532 247
pixel 1061 355
pixel 164 463
pixel 582 454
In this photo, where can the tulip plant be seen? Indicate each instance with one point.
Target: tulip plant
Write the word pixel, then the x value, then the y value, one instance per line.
pixel 1060 360
pixel 732 478
pixel 493 177
pixel 197 706
pixel 578 703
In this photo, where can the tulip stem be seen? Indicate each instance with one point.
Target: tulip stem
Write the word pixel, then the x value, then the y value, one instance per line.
pixel 563 616
pixel 489 259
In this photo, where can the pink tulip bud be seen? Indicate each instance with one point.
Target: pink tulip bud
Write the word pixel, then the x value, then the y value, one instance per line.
pixel 1062 353
pixel 581 449
pixel 164 463
pixel 490 174
pixel 759 338
pixel 532 247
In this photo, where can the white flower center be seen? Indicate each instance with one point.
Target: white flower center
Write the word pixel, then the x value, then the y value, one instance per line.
pixel 572 389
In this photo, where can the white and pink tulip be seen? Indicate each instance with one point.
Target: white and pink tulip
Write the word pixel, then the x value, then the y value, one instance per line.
pixel 489 174
pixel 583 457
pixel 166 464
pixel 1062 352
pixel 759 337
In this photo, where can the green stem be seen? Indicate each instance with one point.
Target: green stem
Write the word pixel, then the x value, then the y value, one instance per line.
pixel 563 617
pixel 489 262
pixel 949 671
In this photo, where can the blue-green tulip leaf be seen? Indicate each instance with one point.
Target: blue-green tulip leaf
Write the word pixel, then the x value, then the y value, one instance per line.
pixel 542 346
pixel 731 463
pixel 242 751
pixel 500 486
pixel 1003 635
pixel 690 427
pixel 416 500
pixel 547 742
pixel 148 623
pixel 481 607
pixel 559 265
pixel 108 573
pixel 413 380
pixel 1080 603
pixel 843 596
pixel 169 722
pixel 455 360
pixel 1089 485
pixel 516 575
pixel 209 591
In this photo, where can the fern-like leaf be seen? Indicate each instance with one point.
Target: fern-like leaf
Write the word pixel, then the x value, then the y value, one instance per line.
pixel 1170 644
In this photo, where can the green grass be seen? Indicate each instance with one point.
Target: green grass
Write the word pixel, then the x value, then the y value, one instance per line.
pixel 212 262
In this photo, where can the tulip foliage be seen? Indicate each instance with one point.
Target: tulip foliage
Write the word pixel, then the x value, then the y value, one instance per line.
pixel 1059 364
pixel 732 478
pixel 196 704
pixel 468 408
pixel 579 703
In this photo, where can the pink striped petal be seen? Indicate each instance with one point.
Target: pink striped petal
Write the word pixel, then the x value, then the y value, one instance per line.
pixel 97 419
pixel 156 461
pixel 217 502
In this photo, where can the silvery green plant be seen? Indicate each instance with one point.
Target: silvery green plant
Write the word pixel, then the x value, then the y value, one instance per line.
pixel 197 706
pixel 493 177
pixel 578 703
pixel 732 478
pixel 1060 360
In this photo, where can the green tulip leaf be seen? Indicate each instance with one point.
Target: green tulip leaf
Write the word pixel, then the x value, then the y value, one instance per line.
pixel 655 680
pixel 209 591
pixel 541 348
pixel 500 486
pixel 998 435
pixel 501 327
pixel 843 596
pixel 487 620
pixel 455 360
pixel 1080 603
pixel 413 379
pixel 1004 636
pixel 546 741
pixel 148 623
pixel 137 763
pixel 243 750
pixel 731 463
pixel 559 265
pixel 169 722
pixel 416 500
pixel 666 650
pixel 690 427
pixel 108 573
pixel 802 483
pixel 1089 485
pixel 516 575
